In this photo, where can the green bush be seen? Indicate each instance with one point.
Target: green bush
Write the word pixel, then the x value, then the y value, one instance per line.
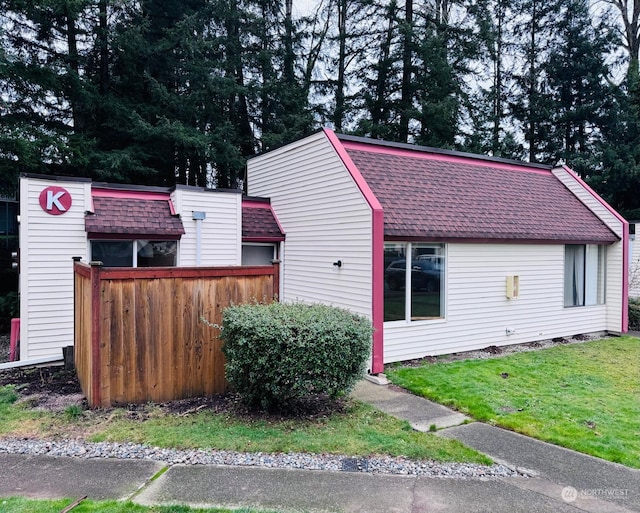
pixel 634 314
pixel 278 354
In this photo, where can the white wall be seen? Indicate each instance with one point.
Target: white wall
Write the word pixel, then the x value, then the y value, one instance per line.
pixel 47 244
pixel 615 267
pixel 221 232
pixel 326 219
pixel 478 312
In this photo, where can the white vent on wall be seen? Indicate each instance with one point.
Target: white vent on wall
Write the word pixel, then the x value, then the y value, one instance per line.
pixel 513 287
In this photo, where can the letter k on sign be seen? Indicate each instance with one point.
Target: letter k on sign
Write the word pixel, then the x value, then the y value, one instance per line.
pixel 55 200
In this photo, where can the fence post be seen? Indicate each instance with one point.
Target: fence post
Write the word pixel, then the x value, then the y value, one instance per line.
pixel 96 392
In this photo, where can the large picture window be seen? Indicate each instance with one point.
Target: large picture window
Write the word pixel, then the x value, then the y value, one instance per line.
pixel 584 274
pixel 135 253
pixel 414 281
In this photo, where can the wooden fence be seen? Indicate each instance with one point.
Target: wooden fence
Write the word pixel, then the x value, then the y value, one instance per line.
pixel 139 334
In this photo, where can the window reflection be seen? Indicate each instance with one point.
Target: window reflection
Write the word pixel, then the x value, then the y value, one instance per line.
pixel 425 295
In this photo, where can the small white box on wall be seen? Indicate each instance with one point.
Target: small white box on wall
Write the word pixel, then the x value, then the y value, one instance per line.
pixel 513 286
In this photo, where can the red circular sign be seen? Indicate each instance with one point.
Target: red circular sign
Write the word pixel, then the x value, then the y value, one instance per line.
pixel 55 200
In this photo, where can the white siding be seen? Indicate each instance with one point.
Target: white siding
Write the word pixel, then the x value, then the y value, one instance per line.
pixel 325 218
pixel 478 312
pixel 221 232
pixel 634 264
pixel 47 244
pixel 615 267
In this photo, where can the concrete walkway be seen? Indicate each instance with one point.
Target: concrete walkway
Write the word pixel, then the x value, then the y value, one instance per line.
pixel 565 481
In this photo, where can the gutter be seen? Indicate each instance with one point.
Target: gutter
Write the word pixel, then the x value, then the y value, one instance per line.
pixel 56 360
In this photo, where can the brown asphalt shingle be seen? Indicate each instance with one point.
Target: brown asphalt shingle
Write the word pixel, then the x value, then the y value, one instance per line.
pixel 133 216
pixel 259 224
pixel 434 198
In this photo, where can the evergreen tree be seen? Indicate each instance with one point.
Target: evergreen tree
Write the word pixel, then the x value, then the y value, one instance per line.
pixel 578 86
pixel 47 100
pixel 381 80
pixel 492 126
pixel 534 27
pixel 282 94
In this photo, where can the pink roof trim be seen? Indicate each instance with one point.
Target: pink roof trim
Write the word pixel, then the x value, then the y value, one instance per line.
pixel 625 246
pixel 422 154
pixel 117 193
pixel 377 248
pixel 255 204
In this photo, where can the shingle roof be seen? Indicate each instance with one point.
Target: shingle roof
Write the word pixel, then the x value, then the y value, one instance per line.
pixel 259 223
pixel 443 196
pixel 135 217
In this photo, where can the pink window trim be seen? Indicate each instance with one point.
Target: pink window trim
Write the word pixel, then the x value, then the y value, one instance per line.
pixel 377 248
pixel 625 246
pixel 418 154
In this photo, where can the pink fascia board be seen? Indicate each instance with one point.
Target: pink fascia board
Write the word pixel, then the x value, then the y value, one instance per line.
pixel 377 248
pixel 422 154
pixel 625 244
pixel 118 193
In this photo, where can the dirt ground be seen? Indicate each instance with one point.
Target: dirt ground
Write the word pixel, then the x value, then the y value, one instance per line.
pixel 55 389
pixel 5 340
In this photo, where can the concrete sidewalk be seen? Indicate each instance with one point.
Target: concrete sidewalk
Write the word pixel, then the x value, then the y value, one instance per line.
pixel 565 481
pixel 555 468
pixel 281 490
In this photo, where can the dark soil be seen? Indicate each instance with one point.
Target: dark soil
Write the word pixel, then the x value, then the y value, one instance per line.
pixel 41 385
pixel 45 380
pixel 5 340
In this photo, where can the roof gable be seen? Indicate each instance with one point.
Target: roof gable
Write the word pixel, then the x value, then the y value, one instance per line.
pixel 132 216
pixel 431 195
pixel 259 223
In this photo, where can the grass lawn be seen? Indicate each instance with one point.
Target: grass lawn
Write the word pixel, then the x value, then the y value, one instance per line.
pixel 582 396
pixel 357 430
pixel 18 505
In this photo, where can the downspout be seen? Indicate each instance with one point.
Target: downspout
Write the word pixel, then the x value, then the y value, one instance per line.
pixel 45 360
pixel 198 217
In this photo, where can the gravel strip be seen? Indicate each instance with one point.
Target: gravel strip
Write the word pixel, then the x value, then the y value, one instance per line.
pixel 374 465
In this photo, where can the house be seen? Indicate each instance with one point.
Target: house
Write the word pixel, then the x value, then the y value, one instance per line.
pixel 444 251
pixel 123 226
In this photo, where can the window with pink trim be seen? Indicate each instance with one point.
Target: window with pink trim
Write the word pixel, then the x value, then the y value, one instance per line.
pixel 413 281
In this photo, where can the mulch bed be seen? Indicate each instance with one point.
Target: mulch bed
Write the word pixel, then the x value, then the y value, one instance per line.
pixel 41 384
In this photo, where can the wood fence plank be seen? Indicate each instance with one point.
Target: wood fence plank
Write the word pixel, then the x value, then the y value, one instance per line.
pixel 153 344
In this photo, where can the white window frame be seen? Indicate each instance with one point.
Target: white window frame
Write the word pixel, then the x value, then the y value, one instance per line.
pixel 588 273
pixel 408 250
pixel 135 248
pixel 274 245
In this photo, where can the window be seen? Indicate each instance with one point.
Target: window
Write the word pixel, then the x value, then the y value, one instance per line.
pixel 147 253
pixel 422 267
pixel 584 274
pixel 258 254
